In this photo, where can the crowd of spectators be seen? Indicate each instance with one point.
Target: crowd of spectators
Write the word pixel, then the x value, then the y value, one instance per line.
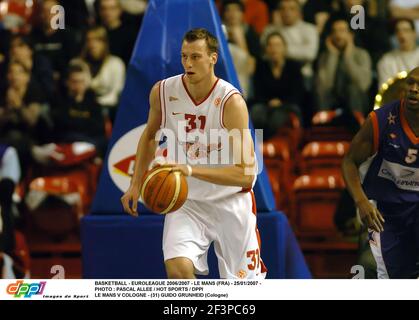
pixel 298 56
pixel 342 55
pixel 62 85
pixel 291 56
pixel 57 86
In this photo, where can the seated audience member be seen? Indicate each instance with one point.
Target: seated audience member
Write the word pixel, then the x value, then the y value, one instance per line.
pixel 374 37
pixel 278 87
pixel 405 58
pixel 58 45
pixel 244 64
pixel 108 71
pixel 405 9
pixel 76 114
pixel 39 67
pixel 344 72
pixel 256 13
pixel 316 12
pixel 22 122
pixel 121 35
pixel 302 37
pixel 239 32
pixel 80 14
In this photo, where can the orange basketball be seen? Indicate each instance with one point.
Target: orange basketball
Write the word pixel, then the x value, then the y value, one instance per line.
pixel 164 191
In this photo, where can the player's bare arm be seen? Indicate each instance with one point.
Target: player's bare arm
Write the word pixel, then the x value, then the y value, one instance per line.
pixel 243 172
pixel 362 147
pixel 145 153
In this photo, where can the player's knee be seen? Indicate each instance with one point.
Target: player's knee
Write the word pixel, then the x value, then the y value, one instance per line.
pixel 179 268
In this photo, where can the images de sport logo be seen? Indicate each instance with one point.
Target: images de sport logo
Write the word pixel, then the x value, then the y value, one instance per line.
pixel 27 290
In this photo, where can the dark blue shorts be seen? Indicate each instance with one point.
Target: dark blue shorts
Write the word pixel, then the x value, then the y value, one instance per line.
pixel 398 244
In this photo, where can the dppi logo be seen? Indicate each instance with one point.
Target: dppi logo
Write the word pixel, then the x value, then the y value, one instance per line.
pixel 27 290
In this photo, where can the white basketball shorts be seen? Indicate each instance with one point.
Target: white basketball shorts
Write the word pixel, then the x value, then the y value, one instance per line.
pixel 230 223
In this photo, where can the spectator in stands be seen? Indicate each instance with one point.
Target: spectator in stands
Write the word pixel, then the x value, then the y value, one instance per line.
pixel 22 123
pixel 108 71
pixel 58 45
pixel 277 84
pixel 245 66
pixel 403 59
pixel 77 116
pixel 301 37
pixel 39 67
pixel 344 72
pixel 374 37
pixel 405 9
pixel 316 12
pixel 133 12
pixel 239 32
pixel 121 35
pixel 80 14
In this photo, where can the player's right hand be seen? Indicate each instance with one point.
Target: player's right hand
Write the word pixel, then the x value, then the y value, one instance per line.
pixel 130 200
pixel 160 162
pixel 371 216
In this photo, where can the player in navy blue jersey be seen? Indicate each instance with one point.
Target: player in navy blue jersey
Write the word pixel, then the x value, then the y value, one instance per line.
pixel 381 172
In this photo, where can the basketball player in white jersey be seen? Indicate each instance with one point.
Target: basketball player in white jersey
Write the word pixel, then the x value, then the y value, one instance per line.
pixel 220 207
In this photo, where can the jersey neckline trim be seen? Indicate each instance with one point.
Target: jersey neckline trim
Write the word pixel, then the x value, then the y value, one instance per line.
pixel 190 96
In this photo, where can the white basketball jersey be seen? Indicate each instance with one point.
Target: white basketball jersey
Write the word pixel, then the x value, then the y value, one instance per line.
pixel 190 124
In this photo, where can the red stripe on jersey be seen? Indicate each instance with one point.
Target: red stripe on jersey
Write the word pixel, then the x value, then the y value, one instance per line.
pixel 222 108
pixel 225 98
pixel 161 105
pixel 263 268
pixel 254 208
pixel 406 127
pixel 375 130
pixel 164 103
pixel 190 96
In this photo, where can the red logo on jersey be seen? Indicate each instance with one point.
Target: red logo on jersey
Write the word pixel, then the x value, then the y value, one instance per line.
pixel 196 150
pixel 217 102
pixel 241 274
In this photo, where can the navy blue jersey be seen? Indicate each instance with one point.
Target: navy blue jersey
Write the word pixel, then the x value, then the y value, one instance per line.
pixel 392 174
